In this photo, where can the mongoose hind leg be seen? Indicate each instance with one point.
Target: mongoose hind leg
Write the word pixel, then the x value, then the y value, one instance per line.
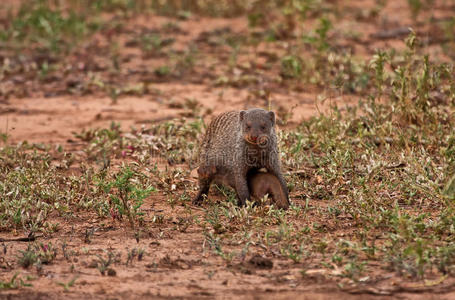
pixel 204 186
pixel 261 184
pixel 274 169
pixel 206 174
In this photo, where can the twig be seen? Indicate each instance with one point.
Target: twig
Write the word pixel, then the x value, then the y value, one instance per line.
pixel 30 238
pixel 401 289
pixel 391 33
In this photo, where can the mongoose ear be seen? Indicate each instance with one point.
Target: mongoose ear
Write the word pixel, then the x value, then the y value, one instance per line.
pixel 272 117
pixel 242 115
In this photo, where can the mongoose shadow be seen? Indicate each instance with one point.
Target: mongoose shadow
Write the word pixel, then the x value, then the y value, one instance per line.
pixel 236 143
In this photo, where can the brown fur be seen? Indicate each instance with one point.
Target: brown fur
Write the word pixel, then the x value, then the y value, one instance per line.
pixel 261 184
pixel 235 143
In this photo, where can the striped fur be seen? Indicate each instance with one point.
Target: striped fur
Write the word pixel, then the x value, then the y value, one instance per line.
pixel 225 150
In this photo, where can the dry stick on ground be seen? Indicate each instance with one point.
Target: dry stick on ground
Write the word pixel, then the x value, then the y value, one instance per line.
pixel 440 289
pixel 391 33
pixel 31 237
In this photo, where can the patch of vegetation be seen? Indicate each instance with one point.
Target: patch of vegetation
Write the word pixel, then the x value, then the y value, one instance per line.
pixel 30 188
pixel 126 196
pixel 67 285
pixel 103 264
pixel 44 25
pixel 15 283
pixel 37 254
pixel 373 184
pixel 36 181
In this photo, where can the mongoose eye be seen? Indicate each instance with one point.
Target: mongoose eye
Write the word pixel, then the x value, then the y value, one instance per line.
pixel 263 127
pixel 248 127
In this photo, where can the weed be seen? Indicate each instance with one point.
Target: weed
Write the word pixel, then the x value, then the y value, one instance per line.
pixel 37 254
pixel 163 71
pixel 415 6
pixel 66 285
pixel 50 28
pixel 129 196
pixel 291 66
pixel 88 235
pixel 153 44
pixel 353 269
pixel 378 63
pixel 14 283
pixel 295 254
pixel 136 252
pixel 104 264
pixel 215 244
pixel 184 9
pixel 320 36
pixel 28 258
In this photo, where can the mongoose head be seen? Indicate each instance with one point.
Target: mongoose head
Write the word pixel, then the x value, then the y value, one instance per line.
pixel 257 125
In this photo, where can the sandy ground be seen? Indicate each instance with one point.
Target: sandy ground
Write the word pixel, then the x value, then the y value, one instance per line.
pixel 177 264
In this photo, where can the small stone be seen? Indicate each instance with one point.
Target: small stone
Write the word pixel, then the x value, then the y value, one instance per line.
pixel 111 272
pixel 93 264
pixel 261 262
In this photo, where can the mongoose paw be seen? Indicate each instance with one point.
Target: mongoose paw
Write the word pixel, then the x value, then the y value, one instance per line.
pixel 241 203
pixel 198 199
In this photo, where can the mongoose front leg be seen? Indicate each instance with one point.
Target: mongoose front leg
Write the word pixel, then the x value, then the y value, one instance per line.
pixel 241 187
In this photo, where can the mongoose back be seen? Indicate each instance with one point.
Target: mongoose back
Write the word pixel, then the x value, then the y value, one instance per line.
pixel 235 143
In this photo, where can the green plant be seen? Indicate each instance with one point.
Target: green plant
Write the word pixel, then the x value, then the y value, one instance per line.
pixel 66 285
pixel 215 244
pixel 37 254
pixel 415 6
pixel 28 258
pixel 320 36
pixel 126 195
pixel 46 26
pixel 14 283
pixel 378 63
pixel 104 264
pixel 353 269
pixel 163 71
pixel 153 44
pixel 135 252
pixel 295 254
pixel 291 66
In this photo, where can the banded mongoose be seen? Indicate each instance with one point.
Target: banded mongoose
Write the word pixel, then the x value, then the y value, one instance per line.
pixel 235 143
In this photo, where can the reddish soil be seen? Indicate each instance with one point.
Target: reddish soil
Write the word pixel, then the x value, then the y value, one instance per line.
pixel 54 120
pixel 177 263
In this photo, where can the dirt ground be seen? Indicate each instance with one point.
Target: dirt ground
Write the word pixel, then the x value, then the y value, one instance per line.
pixel 177 264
